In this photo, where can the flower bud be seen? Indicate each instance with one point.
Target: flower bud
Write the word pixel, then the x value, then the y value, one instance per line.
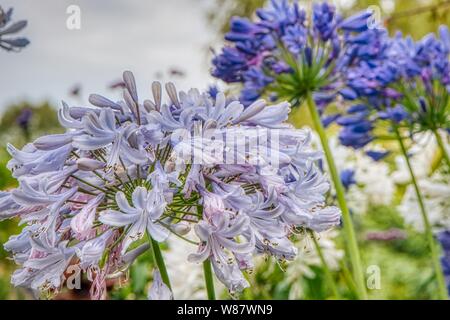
pixel 181 228
pixel 52 142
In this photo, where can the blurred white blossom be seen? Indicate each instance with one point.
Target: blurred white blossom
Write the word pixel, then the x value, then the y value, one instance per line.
pixel 374 184
pixel 435 186
pixel 308 258
pixel 187 279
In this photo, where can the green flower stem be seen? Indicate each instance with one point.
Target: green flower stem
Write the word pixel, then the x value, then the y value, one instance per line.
pixel 326 269
pixel 158 258
pixel 207 271
pixel 347 277
pixel 349 231
pixel 442 147
pixel 209 281
pixel 429 234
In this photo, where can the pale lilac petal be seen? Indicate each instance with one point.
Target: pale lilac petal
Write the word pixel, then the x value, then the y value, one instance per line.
pixel 117 219
pixel 159 290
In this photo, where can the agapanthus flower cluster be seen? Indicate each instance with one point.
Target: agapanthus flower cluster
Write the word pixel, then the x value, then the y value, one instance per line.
pixel 7 29
pixel 407 82
pixel 243 179
pixel 424 85
pixel 286 53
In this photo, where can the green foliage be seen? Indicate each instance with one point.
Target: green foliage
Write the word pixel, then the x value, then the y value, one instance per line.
pixel 403 15
pixel 138 278
pixel 223 10
pixel 44 120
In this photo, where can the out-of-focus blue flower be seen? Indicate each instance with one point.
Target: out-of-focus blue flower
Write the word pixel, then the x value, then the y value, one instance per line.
pixel 444 239
pixel 213 90
pixel 23 120
pixel 7 29
pixel 377 155
pixel 356 135
pixel 424 85
pixel 402 80
pixel 357 22
pixel 295 38
pixel 329 119
pixel 356 127
pixel 396 114
pixel 324 20
pixel 229 65
pixel 348 178
pixel 286 54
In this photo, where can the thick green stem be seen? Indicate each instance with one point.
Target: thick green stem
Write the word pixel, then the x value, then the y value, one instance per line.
pixel 442 147
pixel 158 258
pixel 428 232
pixel 349 231
pixel 326 269
pixel 209 281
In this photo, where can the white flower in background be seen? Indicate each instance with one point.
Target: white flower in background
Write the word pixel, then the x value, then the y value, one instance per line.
pixel 422 155
pixel 435 186
pixel 436 194
pixel 374 180
pixel 373 184
pixel 187 279
pixel 308 258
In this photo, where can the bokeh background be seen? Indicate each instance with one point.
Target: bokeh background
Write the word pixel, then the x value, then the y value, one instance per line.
pixel 174 40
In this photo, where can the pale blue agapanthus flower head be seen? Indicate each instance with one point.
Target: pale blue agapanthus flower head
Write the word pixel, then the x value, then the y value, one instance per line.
pixel 233 182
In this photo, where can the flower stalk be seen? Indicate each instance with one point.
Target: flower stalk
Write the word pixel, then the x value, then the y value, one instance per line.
pixel 159 260
pixel 209 281
pixel 326 269
pixel 442 289
pixel 441 145
pixel 352 245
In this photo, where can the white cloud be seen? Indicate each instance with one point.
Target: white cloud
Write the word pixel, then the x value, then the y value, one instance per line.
pixel 147 37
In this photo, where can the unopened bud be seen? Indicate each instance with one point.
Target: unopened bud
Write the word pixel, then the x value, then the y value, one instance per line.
pixel 52 142
pixel 181 228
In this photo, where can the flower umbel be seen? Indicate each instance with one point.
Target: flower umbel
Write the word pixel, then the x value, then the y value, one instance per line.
pixel 127 168
pixel 286 53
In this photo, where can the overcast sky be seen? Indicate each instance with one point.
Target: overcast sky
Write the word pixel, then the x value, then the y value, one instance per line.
pixel 147 37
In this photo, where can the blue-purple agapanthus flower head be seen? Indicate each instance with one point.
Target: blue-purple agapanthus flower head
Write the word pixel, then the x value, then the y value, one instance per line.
pixel 7 29
pixel 406 82
pixel 163 167
pixel 287 52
